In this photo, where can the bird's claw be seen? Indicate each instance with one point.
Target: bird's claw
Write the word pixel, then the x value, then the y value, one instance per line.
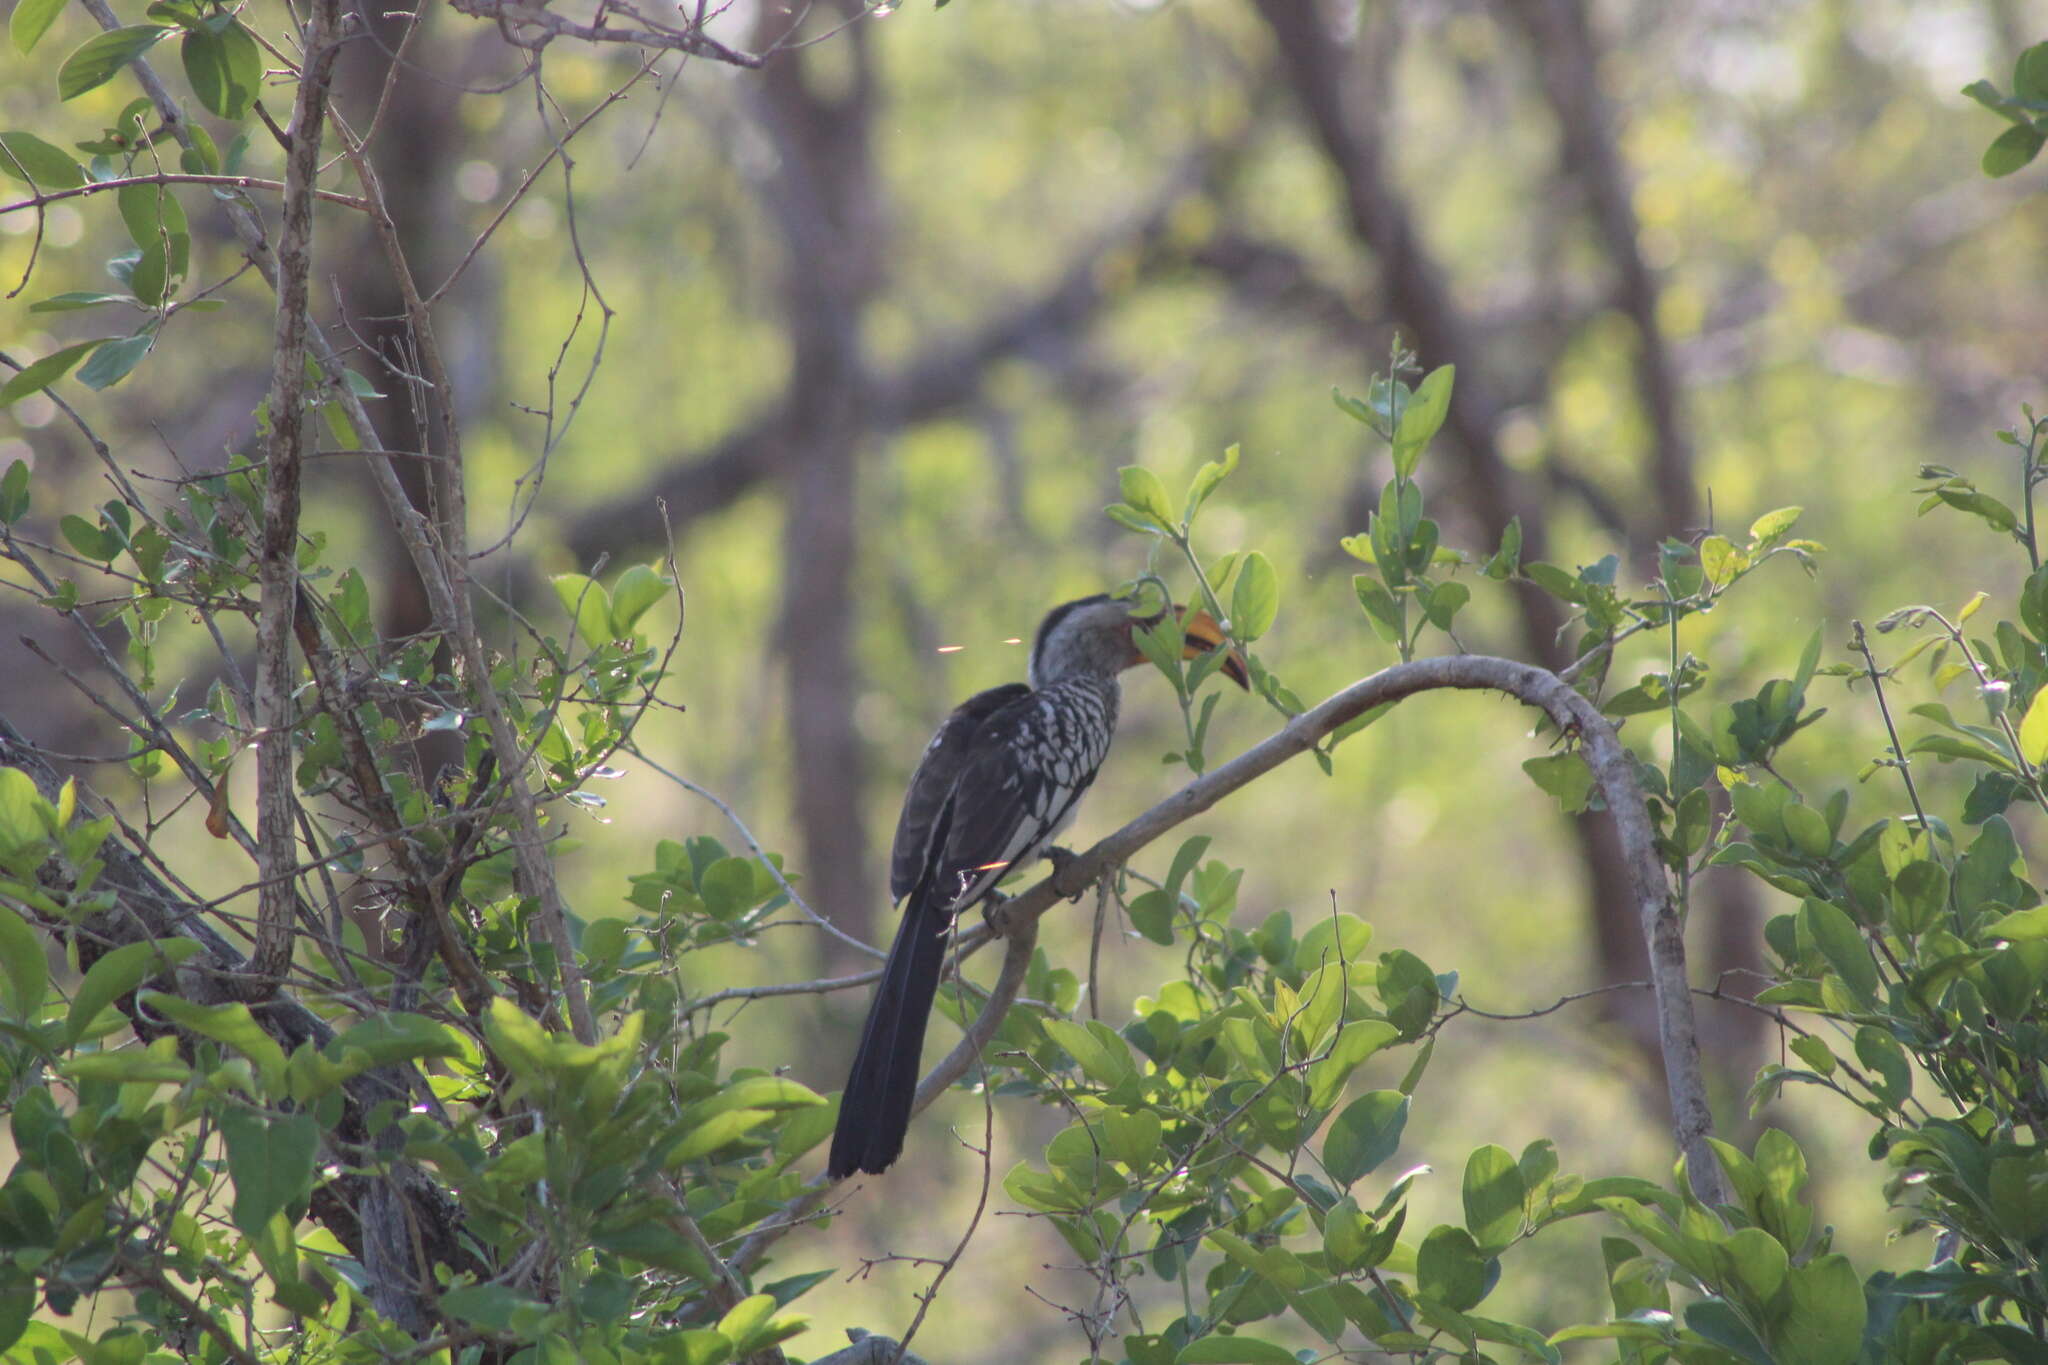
pixel 1062 859
pixel 995 914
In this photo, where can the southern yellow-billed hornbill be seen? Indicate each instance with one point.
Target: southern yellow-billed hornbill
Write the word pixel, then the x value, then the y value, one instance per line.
pixel 997 784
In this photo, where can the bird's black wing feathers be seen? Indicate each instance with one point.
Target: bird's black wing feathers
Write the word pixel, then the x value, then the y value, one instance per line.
pixel 1007 804
pixel 998 782
pixel 933 782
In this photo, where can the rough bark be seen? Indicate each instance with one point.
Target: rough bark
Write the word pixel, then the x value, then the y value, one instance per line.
pixel 277 555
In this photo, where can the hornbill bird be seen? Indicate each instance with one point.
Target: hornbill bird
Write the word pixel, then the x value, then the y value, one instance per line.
pixel 996 785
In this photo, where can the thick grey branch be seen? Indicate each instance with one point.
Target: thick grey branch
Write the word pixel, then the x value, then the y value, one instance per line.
pixel 1692 1119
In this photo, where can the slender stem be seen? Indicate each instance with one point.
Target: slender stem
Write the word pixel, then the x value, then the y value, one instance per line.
pixel 2029 476
pixel 1862 646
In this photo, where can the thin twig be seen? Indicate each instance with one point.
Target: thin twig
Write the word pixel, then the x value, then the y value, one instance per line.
pixel 236 182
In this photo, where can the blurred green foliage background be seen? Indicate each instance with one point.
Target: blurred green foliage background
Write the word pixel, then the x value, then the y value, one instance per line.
pixel 881 322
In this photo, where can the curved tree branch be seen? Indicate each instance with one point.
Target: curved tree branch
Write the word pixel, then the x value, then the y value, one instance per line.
pixel 1692 1120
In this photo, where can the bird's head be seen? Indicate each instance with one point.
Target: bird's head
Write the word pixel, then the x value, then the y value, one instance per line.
pixel 1093 635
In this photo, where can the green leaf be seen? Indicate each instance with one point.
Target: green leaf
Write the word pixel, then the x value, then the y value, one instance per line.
pixel 1999 516
pixel 157 1064
pixel 637 590
pixel 1493 1198
pixel 1555 581
pixel 22 811
pixel 758 1092
pixel 112 361
pixel 270 1158
pixel 117 974
pixel 1769 527
pixel 1830 929
pixel 1506 562
pixel 1881 1054
pixel 1151 914
pixel 1445 602
pixel 226 70
pixel 1144 493
pixel 94 542
pixel 1206 479
pixel 1919 895
pixel 18 1295
pixel 2034 729
pixel 32 19
pixel 1234 1350
pixel 45 372
pixel 1720 560
pixel 1722 1325
pixel 1756 1262
pixel 232 1024
pixel 718 1131
pixel 2030 73
pixel 489 1306
pixel 1825 1319
pixel 1565 776
pixel 727 887
pixel 383 1039
pixel 2019 926
pixel 73 299
pixel 14 493
pixel 97 60
pixel 22 960
pixel 1364 1135
pixel 1130 518
pixel 1450 1268
pixel 1256 600
pixel 1389 618
pixel 1422 418
pixel 1103 1055
pixel 1356 1041
pixel 35 162
pixel 151 213
pixel 2012 150
pixel 747 1317
pixel 586 601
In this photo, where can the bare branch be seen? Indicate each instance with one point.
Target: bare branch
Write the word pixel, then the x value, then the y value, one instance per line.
pixel 530 26
pixel 277 564
pixel 234 182
pixel 1692 1119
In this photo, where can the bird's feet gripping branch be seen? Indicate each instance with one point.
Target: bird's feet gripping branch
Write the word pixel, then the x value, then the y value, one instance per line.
pixel 998 782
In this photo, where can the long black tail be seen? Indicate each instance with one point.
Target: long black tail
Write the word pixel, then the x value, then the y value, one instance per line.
pixel 874 1114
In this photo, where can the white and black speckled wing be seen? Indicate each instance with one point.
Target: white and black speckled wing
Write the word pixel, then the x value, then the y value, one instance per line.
pixel 1023 775
pixel 931 786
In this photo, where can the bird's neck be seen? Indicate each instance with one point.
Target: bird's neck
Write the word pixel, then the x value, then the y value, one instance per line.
pixel 1098 690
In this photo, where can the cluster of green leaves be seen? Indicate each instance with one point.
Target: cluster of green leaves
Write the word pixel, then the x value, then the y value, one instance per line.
pixel 595 1126
pixel 1245 579
pixel 1402 546
pixel 1922 952
pixel 181 1164
pixel 2026 108
pixel 182 1167
pixel 1215 1147
pixel 224 66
